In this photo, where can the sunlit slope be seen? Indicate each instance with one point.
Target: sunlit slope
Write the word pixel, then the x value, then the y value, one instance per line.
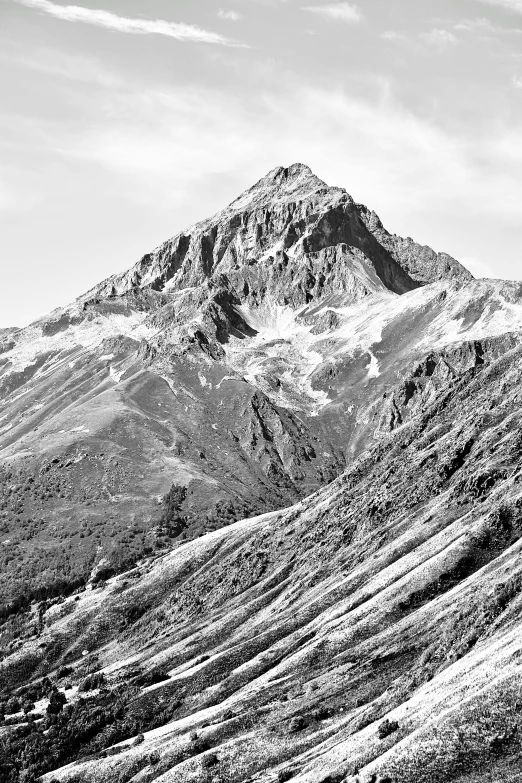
pixel 392 594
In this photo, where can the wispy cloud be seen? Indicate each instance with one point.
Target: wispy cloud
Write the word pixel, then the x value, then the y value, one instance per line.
pixel 205 134
pixel 392 35
pixel 479 24
pixel 342 12
pixel 439 37
pixel 229 16
pixel 509 5
pixel 516 81
pixel 485 28
pixel 123 24
pixel 51 62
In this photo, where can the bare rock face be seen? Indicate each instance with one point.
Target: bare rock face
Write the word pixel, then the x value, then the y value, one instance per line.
pixel 290 240
pixel 260 510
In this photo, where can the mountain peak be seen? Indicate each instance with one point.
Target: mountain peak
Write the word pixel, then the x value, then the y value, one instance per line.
pixel 290 238
pixel 283 174
pixel 292 183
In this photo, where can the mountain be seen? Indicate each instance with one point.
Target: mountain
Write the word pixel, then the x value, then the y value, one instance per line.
pixel 235 361
pixel 260 511
pixel 290 239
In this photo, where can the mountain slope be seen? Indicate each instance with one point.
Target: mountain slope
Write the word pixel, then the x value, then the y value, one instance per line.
pixel 285 641
pixel 209 366
pixel 288 356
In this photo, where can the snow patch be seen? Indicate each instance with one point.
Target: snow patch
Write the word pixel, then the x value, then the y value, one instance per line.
pixel 282 350
pixel 203 381
pixel 31 342
pixel 116 375
pixel 226 378
pixel 373 367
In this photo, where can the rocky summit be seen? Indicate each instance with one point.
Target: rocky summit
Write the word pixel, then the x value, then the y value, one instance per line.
pixel 261 511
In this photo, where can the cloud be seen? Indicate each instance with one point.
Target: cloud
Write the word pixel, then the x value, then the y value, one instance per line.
pixel 484 27
pixel 479 24
pixel 509 5
pixel 392 35
pixel 77 67
pixel 230 16
pixel 342 12
pixel 438 37
pixel 370 146
pixel 516 81
pixel 122 24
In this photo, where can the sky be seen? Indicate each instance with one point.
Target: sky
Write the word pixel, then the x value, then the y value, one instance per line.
pixel 123 122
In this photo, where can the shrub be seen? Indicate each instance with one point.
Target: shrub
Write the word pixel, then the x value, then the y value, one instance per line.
pixel 56 702
pixel 92 682
pixel 13 705
pixel 117 750
pixel 323 712
pixel 387 727
pixel 335 777
pixel 297 724
pixel 199 746
pixel 172 521
pixel 209 761
pixel 104 573
pixel 152 678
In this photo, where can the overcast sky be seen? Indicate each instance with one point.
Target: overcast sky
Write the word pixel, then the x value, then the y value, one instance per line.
pixel 124 121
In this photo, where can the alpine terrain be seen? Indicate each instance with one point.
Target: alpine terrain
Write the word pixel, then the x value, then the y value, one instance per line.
pixel 261 511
